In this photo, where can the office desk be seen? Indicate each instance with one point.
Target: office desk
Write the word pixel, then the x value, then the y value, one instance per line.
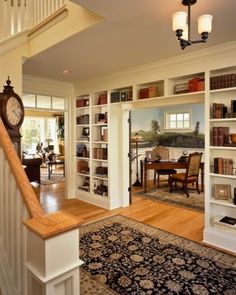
pixel 145 166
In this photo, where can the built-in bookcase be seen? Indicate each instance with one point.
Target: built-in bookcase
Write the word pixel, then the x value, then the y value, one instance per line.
pixel 107 146
pixel 222 123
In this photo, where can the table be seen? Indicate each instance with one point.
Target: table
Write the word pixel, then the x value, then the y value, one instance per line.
pixel 55 162
pixel 145 166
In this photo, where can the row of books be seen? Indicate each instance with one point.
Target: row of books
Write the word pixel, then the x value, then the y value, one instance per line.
pixel 151 91
pixel 83 119
pixel 82 102
pixel 220 110
pixel 223 166
pixel 223 81
pixel 193 85
pixel 122 95
pixel 220 136
pixel 100 153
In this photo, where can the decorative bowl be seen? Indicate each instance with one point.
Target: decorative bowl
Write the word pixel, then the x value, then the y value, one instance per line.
pixel 233 137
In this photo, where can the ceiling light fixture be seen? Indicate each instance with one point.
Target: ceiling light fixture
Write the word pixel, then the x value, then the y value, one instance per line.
pixel 182 27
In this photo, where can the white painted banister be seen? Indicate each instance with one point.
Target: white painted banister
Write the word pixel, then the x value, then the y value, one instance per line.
pixel 30 259
pixel 12 232
pixel 19 15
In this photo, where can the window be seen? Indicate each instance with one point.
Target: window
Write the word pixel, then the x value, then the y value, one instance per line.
pixel 177 120
pixel 43 102
pixel 36 130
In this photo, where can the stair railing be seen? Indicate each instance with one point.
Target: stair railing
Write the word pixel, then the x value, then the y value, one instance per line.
pixel 31 255
pixel 17 16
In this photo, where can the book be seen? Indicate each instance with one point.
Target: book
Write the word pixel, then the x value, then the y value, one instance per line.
pixel 220 136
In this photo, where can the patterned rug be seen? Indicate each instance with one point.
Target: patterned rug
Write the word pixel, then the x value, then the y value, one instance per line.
pixel 55 177
pixel 195 201
pixel 130 257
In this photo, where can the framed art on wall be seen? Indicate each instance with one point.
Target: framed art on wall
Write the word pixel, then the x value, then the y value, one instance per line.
pixel 222 191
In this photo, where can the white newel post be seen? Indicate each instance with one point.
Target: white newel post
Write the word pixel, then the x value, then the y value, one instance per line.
pixel 53 255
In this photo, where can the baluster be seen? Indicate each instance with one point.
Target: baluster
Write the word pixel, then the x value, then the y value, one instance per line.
pixel 11 212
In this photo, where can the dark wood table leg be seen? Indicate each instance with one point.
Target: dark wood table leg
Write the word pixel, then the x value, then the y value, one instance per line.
pixel 141 172
pixel 145 179
pixel 202 177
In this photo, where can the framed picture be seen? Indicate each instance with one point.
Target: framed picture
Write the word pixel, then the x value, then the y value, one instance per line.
pixel 222 191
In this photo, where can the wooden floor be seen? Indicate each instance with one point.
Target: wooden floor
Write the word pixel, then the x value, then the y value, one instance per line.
pixel 183 222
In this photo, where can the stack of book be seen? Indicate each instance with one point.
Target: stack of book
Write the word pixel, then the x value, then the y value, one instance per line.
pixel 220 136
pixel 193 85
pixel 100 153
pixel 223 166
pixel 226 223
pixel 223 81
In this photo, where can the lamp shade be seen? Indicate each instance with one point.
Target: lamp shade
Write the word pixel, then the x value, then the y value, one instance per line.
pixel 179 20
pixel 185 33
pixel 205 23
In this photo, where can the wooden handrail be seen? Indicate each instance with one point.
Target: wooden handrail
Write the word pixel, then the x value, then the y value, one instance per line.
pixel 49 19
pixel 30 199
pixel 53 224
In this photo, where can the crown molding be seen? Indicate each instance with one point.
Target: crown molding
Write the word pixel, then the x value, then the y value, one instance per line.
pixel 214 53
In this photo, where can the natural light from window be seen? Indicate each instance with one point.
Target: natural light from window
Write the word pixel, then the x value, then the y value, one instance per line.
pixel 180 120
pixel 38 130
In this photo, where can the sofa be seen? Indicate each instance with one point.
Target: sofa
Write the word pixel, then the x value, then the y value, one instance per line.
pixel 32 168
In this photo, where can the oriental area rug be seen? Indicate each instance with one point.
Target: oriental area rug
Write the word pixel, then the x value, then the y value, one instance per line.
pixel 123 256
pixel 177 197
pixel 56 177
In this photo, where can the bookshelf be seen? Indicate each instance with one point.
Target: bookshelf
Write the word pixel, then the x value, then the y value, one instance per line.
pixel 114 143
pixel 222 153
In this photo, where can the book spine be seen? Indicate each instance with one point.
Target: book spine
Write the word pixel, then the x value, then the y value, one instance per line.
pixel 215 135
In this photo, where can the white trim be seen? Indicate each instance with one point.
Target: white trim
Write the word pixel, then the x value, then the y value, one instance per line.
pixel 224 240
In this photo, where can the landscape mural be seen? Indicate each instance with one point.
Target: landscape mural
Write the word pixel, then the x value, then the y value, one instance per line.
pixel 149 124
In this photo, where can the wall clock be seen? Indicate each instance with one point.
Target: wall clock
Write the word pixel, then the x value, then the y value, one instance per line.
pixel 12 114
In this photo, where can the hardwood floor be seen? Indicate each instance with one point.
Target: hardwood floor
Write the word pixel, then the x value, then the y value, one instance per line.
pixel 183 222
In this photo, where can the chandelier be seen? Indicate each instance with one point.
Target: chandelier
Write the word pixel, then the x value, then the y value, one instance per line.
pixel 181 25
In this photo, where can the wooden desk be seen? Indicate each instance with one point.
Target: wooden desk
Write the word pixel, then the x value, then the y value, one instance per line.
pixel 145 166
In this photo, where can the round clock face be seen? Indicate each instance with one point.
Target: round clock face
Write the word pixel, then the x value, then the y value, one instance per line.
pixel 14 111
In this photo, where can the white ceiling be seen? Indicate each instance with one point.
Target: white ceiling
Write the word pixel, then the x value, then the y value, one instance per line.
pixel 135 32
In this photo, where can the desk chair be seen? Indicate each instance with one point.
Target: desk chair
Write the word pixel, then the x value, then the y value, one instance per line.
pixel 191 174
pixel 161 153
